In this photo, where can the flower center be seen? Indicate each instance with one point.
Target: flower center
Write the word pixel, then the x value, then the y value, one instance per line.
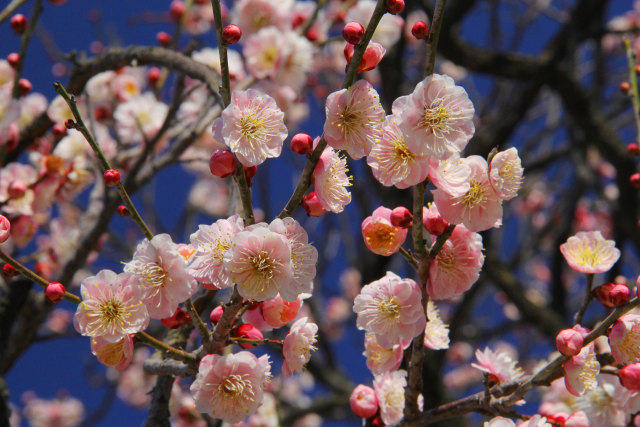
pixel 389 308
pixel 153 275
pixel 234 386
pixel 252 128
pixel 435 118
pixel 111 311
pixel 402 152
pixel 381 235
pixel 630 345
pixel 218 249
pixel 475 196
pixel 349 120
pixel 264 266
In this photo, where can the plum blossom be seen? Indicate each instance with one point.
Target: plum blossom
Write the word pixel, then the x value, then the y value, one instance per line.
pixel 499 422
pixel 25 175
pixel 354 119
pixel 380 236
pixel 452 175
pixel 253 15
pixel 436 333
pixel 139 118
pixel 331 181
pixel 277 312
pixel 608 404
pixel 211 57
pixel 391 309
pixel 581 370
pixel 112 306
pixel 363 401
pixel 389 388
pixel 373 54
pixel 5 229
pixel 63 411
pixel 252 126
pixel 265 52
pixel 230 387
pixel 162 272
pixel 298 345
pixel 500 367
pixel 118 354
pixel 588 252
pixel 439 114
pixel 380 359
pixel 211 242
pixel 624 339
pixel 505 173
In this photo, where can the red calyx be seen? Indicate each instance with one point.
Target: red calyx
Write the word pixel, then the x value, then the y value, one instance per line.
pixel 178 319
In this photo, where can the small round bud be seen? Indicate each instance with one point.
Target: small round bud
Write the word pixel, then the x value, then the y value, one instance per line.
pixel 363 401
pixel 312 205
pixel 69 124
pixel 312 35
pixel 18 23
pixel 153 76
pixel 111 177
pixel 13 59
pixel 5 228
pixel 630 377
pixel 625 87
pixel 17 189
pixel 302 143
pixel 216 314
pixel 176 9
pixel 435 225
pixel 222 163
pixel 59 130
pixel 633 149
pixel 635 180
pixel 569 342
pixel 54 292
pixel 601 293
pixel 619 295
pixel 9 271
pixel 395 7
pixel 178 319
pixel 24 86
pixel 123 210
pixel 420 30
pixel 231 34
pixel 401 217
pixel 353 32
pixel 164 39
pixel 249 332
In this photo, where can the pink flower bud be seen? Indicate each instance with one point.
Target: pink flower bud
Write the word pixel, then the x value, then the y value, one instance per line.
pixel 111 177
pixel 569 342
pixel 401 217
pixel 176 9
pixel 222 163
pixel 13 59
pixel 278 312
pixel 302 143
pixel 363 401
pixel 395 7
pixel 312 205
pixel 9 271
pixel 633 149
pixel 216 314
pixel 247 331
pixel 5 228
pixel 18 23
pixel 420 30
pixel 177 320
pixel 54 292
pixel 371 58
pixel 123 210
pixel 17 189
pixel 164 39
pixel 630 376
pixel 635 180
pixel 249 173
pixel 435 225
pixel 231 34
pixel 353 32
pixel 611 295
pixel 25 87
pixel 153 76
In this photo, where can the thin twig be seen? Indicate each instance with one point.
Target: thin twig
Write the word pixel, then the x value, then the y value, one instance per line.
pixel 633 80
pixel 587 299
pixel 24 45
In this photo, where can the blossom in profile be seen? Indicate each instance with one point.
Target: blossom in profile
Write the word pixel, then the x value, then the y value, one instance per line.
pixel 380 359
pixel 363 401
pixel 396 161
pixel 390 308
pixel 298 345
pixel 62 411
pixel 624 339
pixel 211 242
pixel 331 181
pixel 354 119
pixel 139 118
pixel 252 126
pixel 588 252
pixel 112 306
pixel 118 354
pixel 439 113
pixel 389 388
pixel 581 370
pixel 162 272
pixel 436 333
pixel 607 404
pixel 259 263
pixel 500 367
pixel 380 236
pixel 373 54
pixel 230 387
pixel 505 173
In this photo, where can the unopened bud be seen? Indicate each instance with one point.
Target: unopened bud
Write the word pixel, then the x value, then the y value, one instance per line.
pixel 69 124
pixel 249 173
pixel 231 34
pixel 312 205
pixel 222 163
pixel 353 32
pixel 633 149
pixel 153 76
pixel 395 7
pixel 635 180
pixel 302 143
pixel 420 30
pixel 54 292
pixel 178 319
pixel 5 228
pixel 569 342
pixel 164 39
pixel 18 23
pixel 176 9
pixel 630 377
pixel 249 332
pixel 435 225
pixel 13 59
pixel 24 86
pixel 9 271
pixel 216 314
pixel 363 401
pixel 123 210
pixel 17 189
pixel 401 217
pixel 625 88
pixel 111 177
pixel 277 312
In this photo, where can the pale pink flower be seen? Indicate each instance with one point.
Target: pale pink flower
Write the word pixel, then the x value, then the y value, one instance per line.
pixel 389 389
pixel 581 370
pixel 266 415
pixel 624 339
pixel 17 173
pixel 211 242
pixel 63 411
pixel 59 111
pixel 396 161
pixel 535 421
pixel 505 173
pixel 354 119
pixel 230 387
pixel 211 57
pixel 499 422
pixel 162 272
pixel 111 306
pixel 297 63
pixel 389 28
pixel 118 354
pixel 252 126
pixel 134 383
pixel 452 175
pixel 259 263
pixel 265 52
pixel 608 404
pixel 379 235
pixel 31 106
pixel 457 266
pixel 436 333
pixel 277 312
pixel 331 181
pixel 391 309
pixel 380 359
pixel 5 229
pixel 139 118
pixel 439 113
pixel 298 345
pixel 479 208
pixel 6 74
pixel 199 18
pixel 253 15
pixel 588 252
pixel 500 367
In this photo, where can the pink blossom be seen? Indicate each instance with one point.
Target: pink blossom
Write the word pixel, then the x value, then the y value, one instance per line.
pixel 588 252
pixel 139 118
pixel 298 345
pixel 118 354
pixel 439 113
pixel 230 387
pixel 111 306
pixel 59 412
pixel 630 376
pixel 505 173
pixel 252 126
pixel 363 401
pixel 199 18
pixel 253 15
pixel 607 404
pixel 25 174
pixel 162 272
pixel 379 235
pixel 380 359
pixel 389 29
pixel 535 421
pixel 266 52
pixel 389 389
pixel 134 384
pixel 211 242
pixel 452 175
pixel 569 342
pixel 499 422
pixel 277 312
pixel 259 263
pixel 500 367
pixel 436 333
pixel 5 229
pixel 580 371
pixel 479 208
pixel 391 309
pixel 396 161
pixel 373 54
pixel 331 181
pixel 457 266
pixel 297 62
pixel 624 339
pixel 354 119
pixel 211 57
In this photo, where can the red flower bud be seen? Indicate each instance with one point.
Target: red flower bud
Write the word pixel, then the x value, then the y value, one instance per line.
pixel 353 32
pixel 249 173
pixel 59 130
pixel 619 295
pixel 569 342
pixel 176 9
pixel 312 205
pixel 435 225
pixel 302 143
pixel 153 76
pixel 164 39
pixel 178 319
pixel 69 124
pixel 54 292
pixel 635 180
pixel 9 270
pixel 247 331
pixel 420 30
pixel 363 401
pixel 17 189
pixel 123 210
pixel 395 7
pixel 13 59
pixel 111 177
pixel 231 34
pixel 630 376
pixel 25 86
pixel 18 23
pixel 216 314
pixel 633 149
pixel 401 217
pixel 222 163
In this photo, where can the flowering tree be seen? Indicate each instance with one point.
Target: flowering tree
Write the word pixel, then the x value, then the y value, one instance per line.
pixel 466 290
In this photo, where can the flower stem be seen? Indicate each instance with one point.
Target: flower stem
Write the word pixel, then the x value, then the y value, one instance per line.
pixel 633 80
pixel 587 299
pixel 174 353
pixel 197 321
